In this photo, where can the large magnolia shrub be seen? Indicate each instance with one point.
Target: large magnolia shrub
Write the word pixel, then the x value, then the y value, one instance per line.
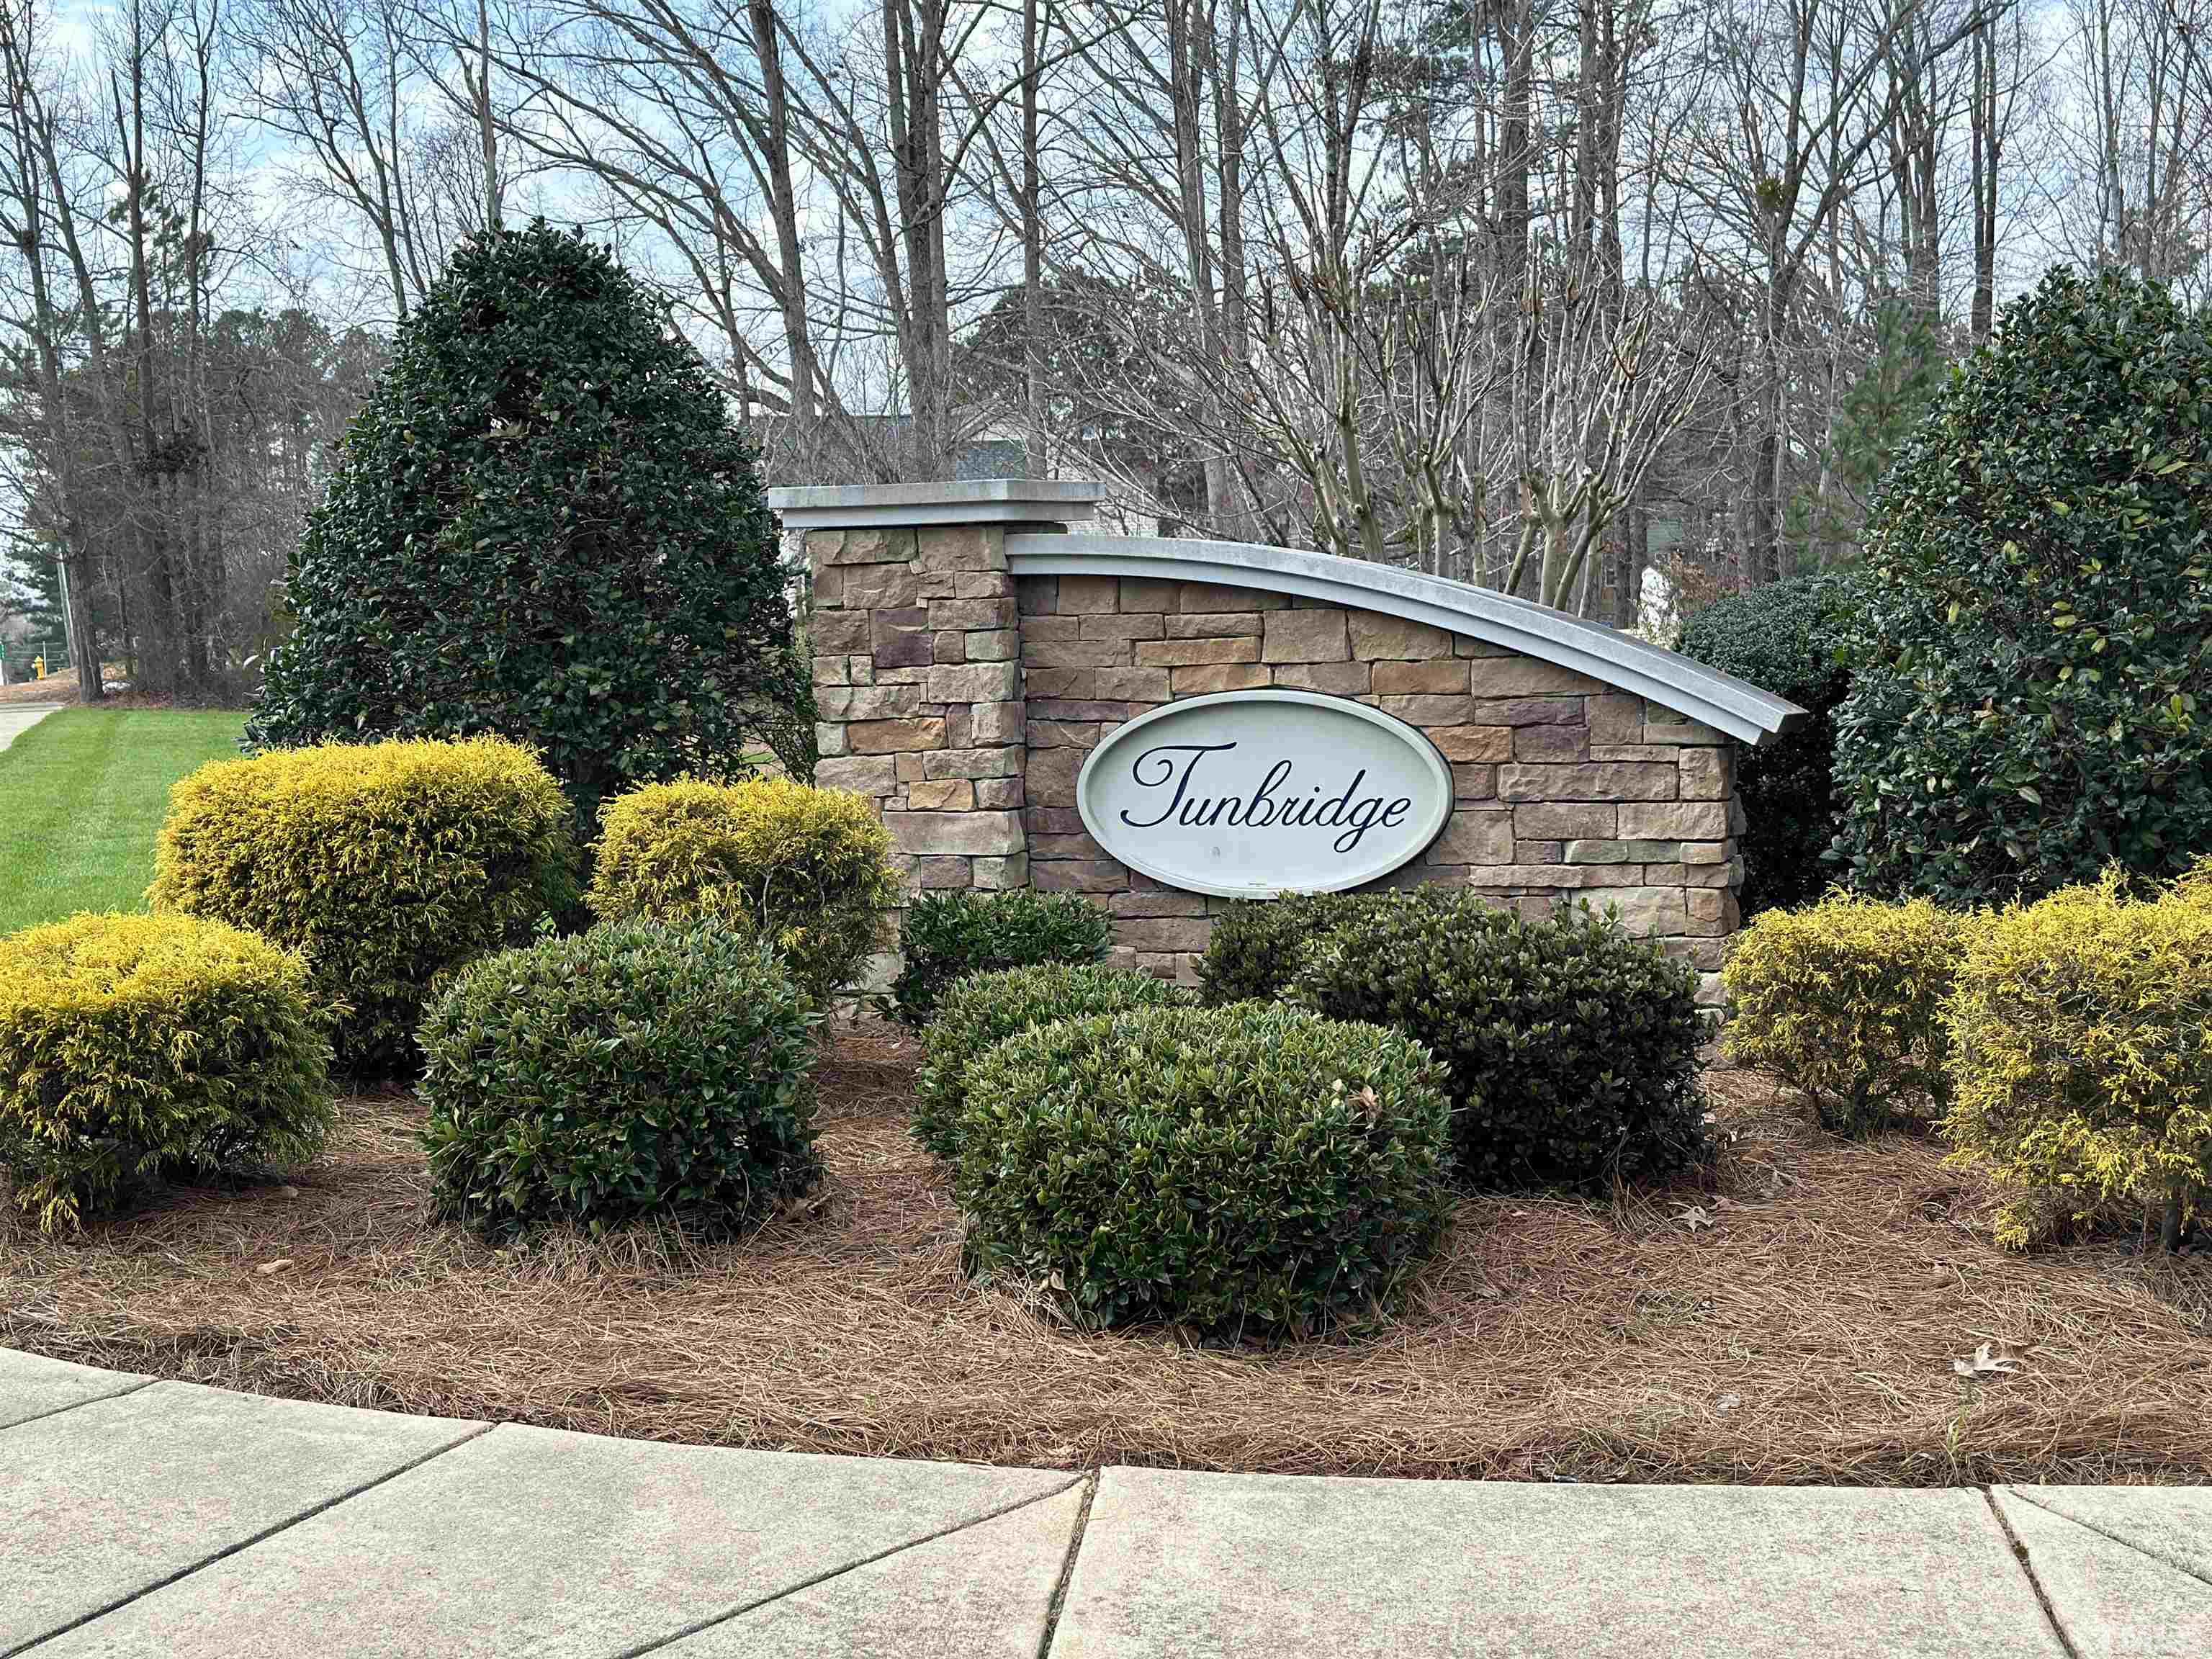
pixel 137 1048
pixel 948 935
pixel 1251 1171
pixel 1786 638
pixel 385 864
pixel 2080 1036
pixel 632 1071
pixel 1843 1001
pixel 1571 1047
pixel 544 523
pixel 807 869
pixel 2032 654
pixel 1255 947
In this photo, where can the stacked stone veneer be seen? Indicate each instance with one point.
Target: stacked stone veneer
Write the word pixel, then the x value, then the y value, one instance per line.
pixel 963 702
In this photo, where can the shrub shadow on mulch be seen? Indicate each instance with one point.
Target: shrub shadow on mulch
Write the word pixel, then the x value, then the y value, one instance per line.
pixel 1792 1315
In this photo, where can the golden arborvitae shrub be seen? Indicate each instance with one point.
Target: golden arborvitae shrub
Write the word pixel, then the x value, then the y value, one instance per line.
pixel 1843 1000
pixel 2081 1058
pixel 133 1047
pixel 808 870
pixel 386 865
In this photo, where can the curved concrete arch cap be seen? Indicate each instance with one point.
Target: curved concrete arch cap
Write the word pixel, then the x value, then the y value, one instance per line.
pixel 1666 677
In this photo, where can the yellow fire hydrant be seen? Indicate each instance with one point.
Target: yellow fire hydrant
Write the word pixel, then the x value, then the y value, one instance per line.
pixel 39 665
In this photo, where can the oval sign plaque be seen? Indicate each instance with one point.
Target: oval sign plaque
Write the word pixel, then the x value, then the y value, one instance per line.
pixel 1252 792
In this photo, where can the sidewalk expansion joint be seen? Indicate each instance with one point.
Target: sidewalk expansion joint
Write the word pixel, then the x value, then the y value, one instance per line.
pixel 79 1405
pixel 769 1600
pixel 1068 1563
pixel 2143 1550
pixel 2027 1570
pixel 267 1532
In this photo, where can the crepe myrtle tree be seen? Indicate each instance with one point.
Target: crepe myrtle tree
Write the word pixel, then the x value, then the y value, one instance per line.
pixel 542 524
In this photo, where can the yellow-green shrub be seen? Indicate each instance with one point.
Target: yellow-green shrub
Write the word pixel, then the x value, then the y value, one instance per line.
pixel 2081 1057
pixel 808 870
pixel 138 1046
pixel 1843 1001
pixel 2194 885
pixel 386 865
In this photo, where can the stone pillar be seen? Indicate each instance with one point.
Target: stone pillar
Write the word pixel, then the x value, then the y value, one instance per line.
pixel 917 662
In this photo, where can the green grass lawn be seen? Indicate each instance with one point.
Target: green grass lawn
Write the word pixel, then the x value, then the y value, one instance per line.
pixel 82 793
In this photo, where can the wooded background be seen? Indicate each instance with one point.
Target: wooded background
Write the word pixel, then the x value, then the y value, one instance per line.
pixel 1532 293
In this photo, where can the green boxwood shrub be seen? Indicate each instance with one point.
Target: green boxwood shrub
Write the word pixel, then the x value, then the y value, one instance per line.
pixel 385 864
pixel 1245 1171
pixel 1252 955
pixel 949 935
pixel 2032 657
pixel 633 1070
pixel 1571 1047
pixel 1787 638
pixel 982 1009
pixel 137 1048
pixel 544 523
pixel 808 870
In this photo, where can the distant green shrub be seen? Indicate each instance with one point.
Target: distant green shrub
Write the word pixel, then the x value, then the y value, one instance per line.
pixel 982 1009
pixel 1786 638
pixel 1571 1047
pixel 630 1071
pixel 949 935
pixel 1251 1171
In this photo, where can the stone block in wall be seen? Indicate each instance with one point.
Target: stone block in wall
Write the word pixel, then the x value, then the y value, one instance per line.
pixel 971 832
pixel 1037 595
pixel 1566 820
pixel 1211 624
pixel 1335 679
pixel 998 875
pixel 990 645
pixel 937 874
pixel 1475 838
pixel 1120 625
pixel 970 614
pixel 1077 875
pixel 1081 594
pixel 1376 636
pixel 868 702
pixel 1589 781
pixel 975 682
pixel 1221 676
pixel 1049 777
pixel 838 632
pixel 1163 933
pixel 874 775
pixel 1713 911
pixel 1157 900
pixel 1154 593
pixel 955 548
pixel 1707 852
pixel 829 737
pixel 1065 734
pixel 1701 820
pixel 895 736
pixel 942 795
pixel 1648 754
pixel 1430 711
pixel 996 761
pixel 1517 676
pixel 1430 676
pixel 1471 782
pixel 997 723
pixel 1707 774
pixel 1200 597
pixel 1550 743
pixel 1596 852
pixel 870 587
pixel 1528 711
pixel 980 585
pixel 891 545
pixel 1474 743
pixel 1185 654
pixel 1615 717
pixel 1304 636
pixel 999 794
pixel 1077 654
pixel 1076 844
pixel 1038 629
pixel 948 646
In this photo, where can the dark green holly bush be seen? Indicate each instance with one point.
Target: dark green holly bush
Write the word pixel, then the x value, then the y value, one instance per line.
pixel 1786 638
pixel 948 935
pixel 630 1071
pixel 982 1009
pixel 1246 1170
pixel 1253 949
pixel 543 525
pixel 1572 1048
pixel 2032 655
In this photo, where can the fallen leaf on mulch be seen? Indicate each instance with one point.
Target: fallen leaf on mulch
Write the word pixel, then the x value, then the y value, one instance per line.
pixel 1694 1217
pixel 1986 1362
pixel 275 1266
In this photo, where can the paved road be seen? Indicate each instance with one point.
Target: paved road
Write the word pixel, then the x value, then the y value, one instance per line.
pixel 17 718
pixel 148 1518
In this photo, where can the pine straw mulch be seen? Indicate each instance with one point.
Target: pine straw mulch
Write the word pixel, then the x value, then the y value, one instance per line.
pixel 1807 1335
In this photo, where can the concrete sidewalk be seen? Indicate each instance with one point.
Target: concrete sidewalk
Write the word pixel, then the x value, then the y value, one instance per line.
pixel 17 718
pixel 151 1518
